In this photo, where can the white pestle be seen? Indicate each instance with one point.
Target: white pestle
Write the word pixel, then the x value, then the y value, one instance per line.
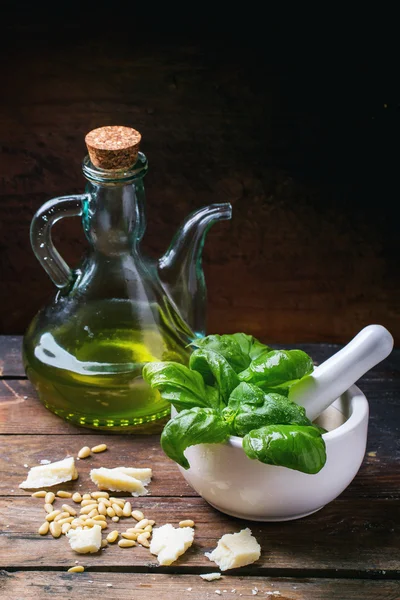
pixel 331 379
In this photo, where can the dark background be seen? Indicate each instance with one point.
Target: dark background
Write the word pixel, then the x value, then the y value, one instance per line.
pixel 294 119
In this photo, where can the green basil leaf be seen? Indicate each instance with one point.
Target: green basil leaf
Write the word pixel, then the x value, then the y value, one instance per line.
pixel 250 408
pixel 178 384
pixel 278 368
pixel 249 345
pixel 292 446
pixel 192 427
pixel 216 371
pixel 322 430
pixel 228 347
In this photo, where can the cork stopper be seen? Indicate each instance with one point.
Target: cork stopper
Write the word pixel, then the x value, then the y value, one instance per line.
pixel 113 147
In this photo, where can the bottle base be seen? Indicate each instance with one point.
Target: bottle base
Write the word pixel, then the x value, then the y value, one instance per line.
pixel 148 424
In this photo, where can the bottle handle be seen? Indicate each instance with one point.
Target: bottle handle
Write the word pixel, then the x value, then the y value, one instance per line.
pixel 42 244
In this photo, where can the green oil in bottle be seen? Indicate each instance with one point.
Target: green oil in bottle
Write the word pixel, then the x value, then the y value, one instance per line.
pixel 90 373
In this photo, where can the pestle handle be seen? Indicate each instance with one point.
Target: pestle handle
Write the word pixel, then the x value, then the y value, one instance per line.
pixel 333 377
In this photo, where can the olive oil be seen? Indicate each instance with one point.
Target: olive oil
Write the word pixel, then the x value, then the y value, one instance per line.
pixel 90 373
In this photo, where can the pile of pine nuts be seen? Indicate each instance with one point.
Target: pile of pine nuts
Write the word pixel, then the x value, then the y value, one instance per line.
pixel 95 508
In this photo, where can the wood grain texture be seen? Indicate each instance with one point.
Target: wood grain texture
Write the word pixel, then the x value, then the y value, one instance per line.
pixel 351 537
pixel 36 584
pixel 307 255
pixel 378 477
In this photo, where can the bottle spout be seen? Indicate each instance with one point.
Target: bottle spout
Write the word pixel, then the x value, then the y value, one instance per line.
pixel 180 269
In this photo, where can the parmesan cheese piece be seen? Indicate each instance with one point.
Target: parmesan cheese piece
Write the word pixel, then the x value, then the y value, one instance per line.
pixel 52 474
pixel 235 550
pixel 144 475
pixel 168 542
pixel 211 576
pixel 117 480
pixel 85 540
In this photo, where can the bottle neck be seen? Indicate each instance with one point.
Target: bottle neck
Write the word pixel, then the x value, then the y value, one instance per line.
pixel 114 213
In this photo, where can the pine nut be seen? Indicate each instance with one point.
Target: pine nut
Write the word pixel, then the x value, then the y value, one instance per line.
pixel 87 509
pixel 51 516
pixel 55 529
pixel 76 497
pixel 62 515
pixel 40 494
pixel 126 543
pixel 49 498
pixel 135 530
pixel 151 521
pixel 49 508
pixel 44 528
pixel 97 495
pixel 129 536
pixel 115 519
pixel 89 502
pixel 117 509
pixel 102 508
pixel 76 523
pixel 127 510
pixel 104 543
pixel 102 524
pixel 145 535
pixel 99 518
pixel 186 523
pixel 112 536
pixel 149 528
pixel 69 509
pixel 99 448
pixel 106 502
pixel 90 523
pixel 77 569
pixel 110 512
pixel 143 541
pixel 84 452
pixel 142 524
pixel 66 520
pixel 93 513
pixel 86 497
pixel 83 517
pixel 65 527
pixel 137 515
pixel 75 475
pixel 118 501
pixel 62 494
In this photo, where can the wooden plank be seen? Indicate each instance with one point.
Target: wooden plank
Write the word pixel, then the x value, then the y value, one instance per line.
pixel 21 412
pixel 11 357
pixel 123 450
pixel 351 537
pixel 379 475
pixel 31 585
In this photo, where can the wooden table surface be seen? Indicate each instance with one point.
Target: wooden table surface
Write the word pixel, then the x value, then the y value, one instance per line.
pixel 348 550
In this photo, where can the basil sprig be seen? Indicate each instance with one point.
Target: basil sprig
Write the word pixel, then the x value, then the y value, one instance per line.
pixel 235 385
